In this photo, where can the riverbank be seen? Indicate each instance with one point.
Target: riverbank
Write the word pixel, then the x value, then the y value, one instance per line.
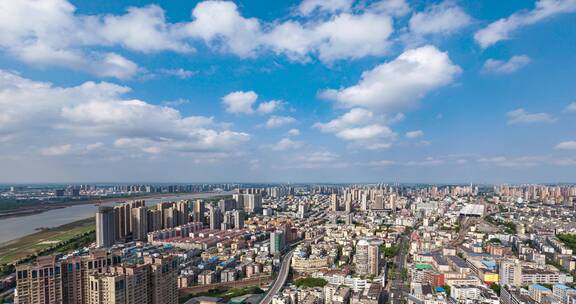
pixel 27 210
pixel 18 227
pixel 28 245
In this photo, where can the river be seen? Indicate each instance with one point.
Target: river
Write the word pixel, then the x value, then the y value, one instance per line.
pixel 16 227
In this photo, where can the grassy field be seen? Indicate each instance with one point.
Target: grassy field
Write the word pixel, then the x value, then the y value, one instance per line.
pixel 310 282
pixel 20 248
pixel 225 293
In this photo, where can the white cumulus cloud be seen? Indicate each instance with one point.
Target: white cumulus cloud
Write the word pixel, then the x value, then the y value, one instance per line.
pixel 366 133
pixel 566 145
pixel 36 110
pixel 142 29
pixel 571 107
pixel 353 117
pixel 307 7
pixel 286 144
pixel 221 26
pixel 505 67
pixel 180 73
pixel 279 121
pixel 56 150
pixel 59 36
pixel 414 134
pixel 244 102
pixel 443 18
pixel 270 106
pixel 521 116
pixel 395 8
pixel 399 84
pixel 363 128
pixel 240 102
pixel 342 36
pixel 502 29
pixel 293 132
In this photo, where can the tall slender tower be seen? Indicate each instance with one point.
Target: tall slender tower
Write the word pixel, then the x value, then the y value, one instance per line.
pixel 154 220
pixel 348 206
pixel 334 206
pixel 199 210
pixel 277 241
pixel 105 226
pixel 239 218
pixel 215 218
pixel 139 223
pixel 182 213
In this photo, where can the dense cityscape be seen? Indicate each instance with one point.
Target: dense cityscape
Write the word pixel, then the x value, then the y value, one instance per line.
pixel 288 244
pixel 287 152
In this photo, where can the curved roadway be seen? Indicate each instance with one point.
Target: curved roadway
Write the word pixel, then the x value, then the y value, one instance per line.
pixel 280 280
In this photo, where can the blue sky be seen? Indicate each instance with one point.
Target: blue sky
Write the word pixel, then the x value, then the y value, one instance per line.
pixel 288 91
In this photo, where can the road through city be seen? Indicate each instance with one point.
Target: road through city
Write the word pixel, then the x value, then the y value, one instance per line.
pixel 280 280
pixel 397 285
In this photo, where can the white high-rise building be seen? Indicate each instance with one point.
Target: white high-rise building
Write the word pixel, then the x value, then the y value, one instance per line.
pixel 252 203
pixel 367 258
pixel 239 218
pixel 239 198
pixel 198 211
pixel 139 223
pixel 510 273
pixel 105 227
pixel 364 202
pixel 215 218
pixel 302 210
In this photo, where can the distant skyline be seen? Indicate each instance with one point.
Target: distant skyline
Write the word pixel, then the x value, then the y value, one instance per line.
pixel 288 91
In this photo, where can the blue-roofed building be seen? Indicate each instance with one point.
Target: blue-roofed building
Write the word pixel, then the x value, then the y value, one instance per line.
pixel 539 287
pixel 560 287
pixel 562 291
pixel 537 292
pixel 489 264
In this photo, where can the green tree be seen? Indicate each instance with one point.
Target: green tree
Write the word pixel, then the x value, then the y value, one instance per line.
pixel 496 288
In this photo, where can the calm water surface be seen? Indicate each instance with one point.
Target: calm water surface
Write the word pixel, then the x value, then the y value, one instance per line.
pixel 16 227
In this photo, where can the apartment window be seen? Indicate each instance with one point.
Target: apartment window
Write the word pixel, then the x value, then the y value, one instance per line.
pixel 119 285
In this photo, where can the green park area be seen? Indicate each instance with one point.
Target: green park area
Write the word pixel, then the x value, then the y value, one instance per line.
pixel 225 293
pixel 64 238
pixel 568 239
pixel 391 251
pixel 310 282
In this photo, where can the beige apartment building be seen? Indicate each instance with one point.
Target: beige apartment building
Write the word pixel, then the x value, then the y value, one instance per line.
pixel 53 280
pixel 98 278
pixel 121 284
pixel 164 279
pixel 40 283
